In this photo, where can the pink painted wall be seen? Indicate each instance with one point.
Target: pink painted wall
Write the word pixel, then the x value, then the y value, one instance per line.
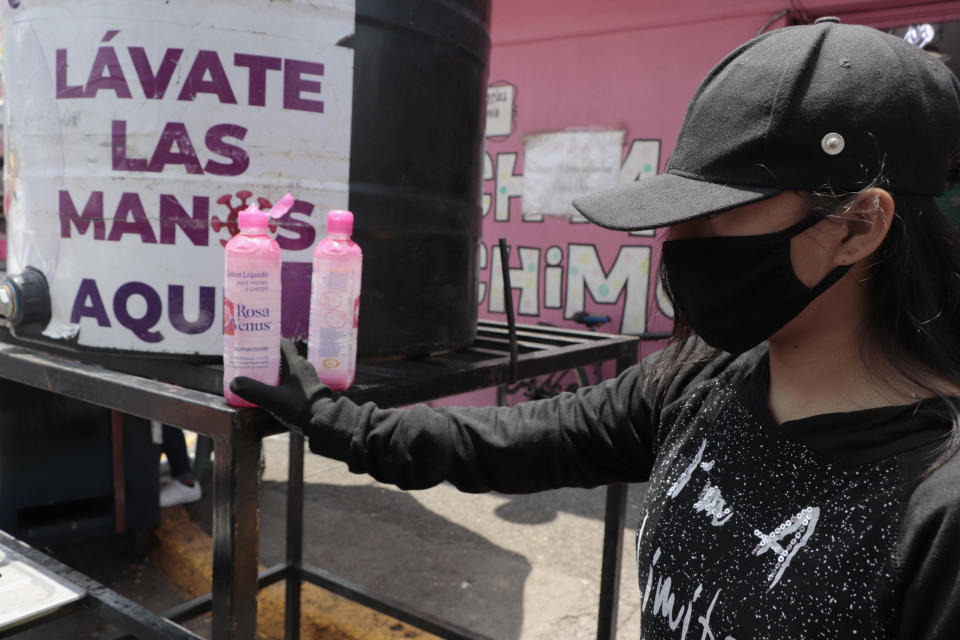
pixel 624 64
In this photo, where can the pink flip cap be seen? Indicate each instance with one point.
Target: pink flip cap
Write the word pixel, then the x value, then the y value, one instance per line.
pixel 252 218
pixel 339 221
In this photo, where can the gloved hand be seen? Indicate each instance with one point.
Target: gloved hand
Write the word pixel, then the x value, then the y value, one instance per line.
pixel 297 398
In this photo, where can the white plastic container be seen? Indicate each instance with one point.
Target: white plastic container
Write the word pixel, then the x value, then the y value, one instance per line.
pixel 252 301
pixel 335 303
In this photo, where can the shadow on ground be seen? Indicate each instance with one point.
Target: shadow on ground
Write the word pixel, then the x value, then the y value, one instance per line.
pixel 388 542
pixel 539 508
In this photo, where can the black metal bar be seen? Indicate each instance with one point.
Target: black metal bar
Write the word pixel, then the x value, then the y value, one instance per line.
pixel 555 336
pixel 388 606
pixel 274 574
pixel 559 338
pixel 613 522
pixel 236 514
pixel 119 481
pixel 508 305
pixel 483 351
pixel 123 392
pixel 615 514
pixel 191 608
pixel 515 343
pixel 201 456
pixel 202 604
pixel 108 604
pixel 294 536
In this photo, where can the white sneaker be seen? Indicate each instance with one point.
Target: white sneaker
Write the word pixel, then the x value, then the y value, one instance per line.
pixel 177 492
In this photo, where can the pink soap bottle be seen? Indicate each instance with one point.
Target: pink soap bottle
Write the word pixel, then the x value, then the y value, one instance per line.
pixel 251 301
pixel 335 303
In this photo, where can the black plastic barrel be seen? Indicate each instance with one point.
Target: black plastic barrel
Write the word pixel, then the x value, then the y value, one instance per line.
pixel 416 170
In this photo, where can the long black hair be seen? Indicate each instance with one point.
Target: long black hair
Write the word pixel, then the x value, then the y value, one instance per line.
pixel 912 320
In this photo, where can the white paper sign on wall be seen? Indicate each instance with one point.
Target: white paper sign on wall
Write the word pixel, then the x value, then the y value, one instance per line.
pixel 561 166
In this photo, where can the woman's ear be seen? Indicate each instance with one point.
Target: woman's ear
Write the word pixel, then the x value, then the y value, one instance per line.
pixel 866 223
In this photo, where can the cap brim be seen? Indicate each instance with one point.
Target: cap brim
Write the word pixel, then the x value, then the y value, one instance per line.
pixel 664 200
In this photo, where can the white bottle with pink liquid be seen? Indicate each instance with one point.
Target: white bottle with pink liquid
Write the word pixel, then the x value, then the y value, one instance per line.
pixel 251 301
pixel 335 303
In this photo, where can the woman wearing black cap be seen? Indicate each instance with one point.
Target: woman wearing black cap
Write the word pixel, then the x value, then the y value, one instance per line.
pixel 799 433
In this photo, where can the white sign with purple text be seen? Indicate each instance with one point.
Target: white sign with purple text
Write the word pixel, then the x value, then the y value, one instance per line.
pixel 137 130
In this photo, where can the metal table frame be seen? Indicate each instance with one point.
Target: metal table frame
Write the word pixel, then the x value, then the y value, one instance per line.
pixel 501 353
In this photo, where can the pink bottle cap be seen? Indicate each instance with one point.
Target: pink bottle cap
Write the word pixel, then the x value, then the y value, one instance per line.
pixel 253 219
pixel 339 221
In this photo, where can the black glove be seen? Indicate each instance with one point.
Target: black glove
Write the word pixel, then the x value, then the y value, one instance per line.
pixel 299 395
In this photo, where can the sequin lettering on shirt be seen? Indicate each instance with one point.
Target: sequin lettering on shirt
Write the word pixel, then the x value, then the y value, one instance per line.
pixel 786 540
pixel 711 502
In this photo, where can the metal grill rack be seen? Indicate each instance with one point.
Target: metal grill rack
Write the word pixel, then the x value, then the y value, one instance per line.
pixel 186 395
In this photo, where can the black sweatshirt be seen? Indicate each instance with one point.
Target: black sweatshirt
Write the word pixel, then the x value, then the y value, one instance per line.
pixel 825 527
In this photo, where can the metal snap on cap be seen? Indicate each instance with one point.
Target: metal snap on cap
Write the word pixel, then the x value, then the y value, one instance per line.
pixel 832 143
pixel 827 19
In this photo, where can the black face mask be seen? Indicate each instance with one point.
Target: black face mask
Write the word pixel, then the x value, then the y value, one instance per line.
pixel 737 291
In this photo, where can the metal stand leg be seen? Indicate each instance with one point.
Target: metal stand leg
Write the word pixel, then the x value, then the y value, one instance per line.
pixel 201 456
pixel 614 519
pixel 119 481
pixel 236 521
pixel 294 536
pixel 612 552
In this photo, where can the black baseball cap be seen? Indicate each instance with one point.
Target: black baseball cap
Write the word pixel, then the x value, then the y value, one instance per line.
pixel 820 107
